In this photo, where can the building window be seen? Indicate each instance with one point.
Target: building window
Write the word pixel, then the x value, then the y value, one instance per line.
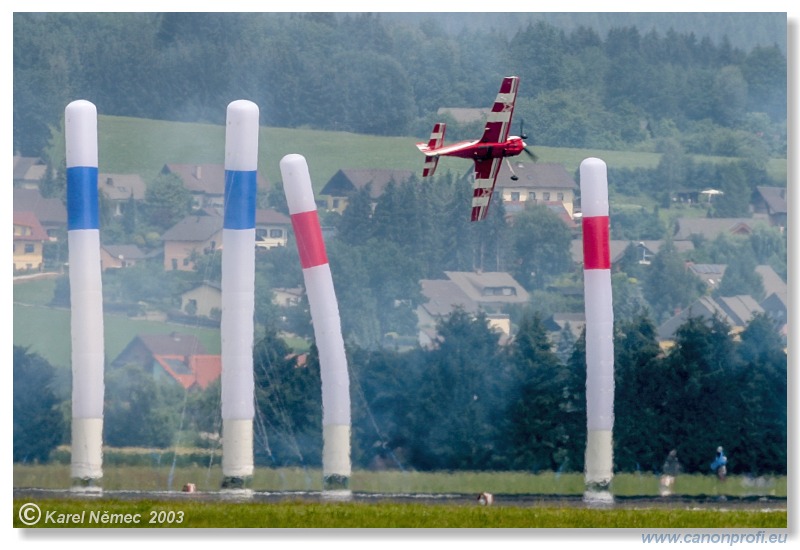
pixel 560 196
pixel 28 248
pixel 532 196
pixel 499 291
pixel 515 196
pixel 276 233
pixel 546 195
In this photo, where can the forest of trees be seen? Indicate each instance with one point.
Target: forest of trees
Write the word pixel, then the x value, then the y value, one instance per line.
pixel 364 73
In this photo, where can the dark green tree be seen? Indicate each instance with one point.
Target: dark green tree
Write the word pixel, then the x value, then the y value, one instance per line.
pixel 764 69
pixel 540 245
pixel 640 418
pixel 355 225
pixel 166 201
pixel 668 285
pixel 38 422
pixel 760 439
pixel 741 278
pixel 542 415
pixel 383 406
pixel 454 413
pixel 142 408
pixel 735 200
pixel 288 396
pixel 701 401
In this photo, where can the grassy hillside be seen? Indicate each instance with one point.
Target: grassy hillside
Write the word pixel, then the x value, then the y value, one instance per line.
pixel 128 145
pixel 46 330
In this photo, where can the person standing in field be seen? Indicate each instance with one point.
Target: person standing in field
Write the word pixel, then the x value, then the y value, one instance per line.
pixel 669 471
pixel 719 466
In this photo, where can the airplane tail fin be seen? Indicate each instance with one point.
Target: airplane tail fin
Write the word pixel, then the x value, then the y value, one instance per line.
pixel 436 141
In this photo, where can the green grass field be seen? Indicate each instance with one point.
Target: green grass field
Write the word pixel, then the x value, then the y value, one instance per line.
pixel 356 515
pixel 295 511
pixel 163 477
pixel 141 146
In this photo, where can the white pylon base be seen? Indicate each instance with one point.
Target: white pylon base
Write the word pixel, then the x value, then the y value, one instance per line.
pixel 87 455
pixel 336 468
pixel 237 454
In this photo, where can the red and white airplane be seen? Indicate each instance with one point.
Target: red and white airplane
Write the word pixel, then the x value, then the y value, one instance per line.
pixel 487 153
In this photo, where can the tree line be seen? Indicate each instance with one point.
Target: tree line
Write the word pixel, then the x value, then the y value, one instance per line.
pixel 370 74
pixel 468 403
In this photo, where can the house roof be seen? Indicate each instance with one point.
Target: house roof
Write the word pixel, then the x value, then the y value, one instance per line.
pixel 49 211
pixel 29 169
pixel 711 274
pixel 173 343
pixel 618 248
pixel 740 309
pixel 194 229
pixel 537 175
pixel 205 284
pixel 489 286
pixel 735 311
pixel 270 216
pixel 121 186
pixel 208 179
pixel 345 181
pixel 444 296
pixel 710 228
pixel 194 370
pixel 126 251
pixel 774 198
pixel 772 282
pixel 206 368
pixel 28 219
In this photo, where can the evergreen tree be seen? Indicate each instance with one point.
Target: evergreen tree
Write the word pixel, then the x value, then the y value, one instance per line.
pixel 454 421
pixel 538 417
pixel 540 245
pixel 141 409
pixel 701 401
pixel 166 201
pixel 641 423
pixel 759 437
pixel 38 424
pixel 288 396
pixel 668 285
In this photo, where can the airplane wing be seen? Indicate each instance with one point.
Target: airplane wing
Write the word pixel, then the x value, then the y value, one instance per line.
pixel 485 176
pixel 498 121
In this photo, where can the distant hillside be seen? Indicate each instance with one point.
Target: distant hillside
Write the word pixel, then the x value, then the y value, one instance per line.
pixel 141 146
pixel 744 30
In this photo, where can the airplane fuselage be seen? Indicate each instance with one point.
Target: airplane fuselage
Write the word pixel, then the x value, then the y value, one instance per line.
pixel 481 150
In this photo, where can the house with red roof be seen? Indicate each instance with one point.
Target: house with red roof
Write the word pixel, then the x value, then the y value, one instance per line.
pixel 29 239
pixel 172 357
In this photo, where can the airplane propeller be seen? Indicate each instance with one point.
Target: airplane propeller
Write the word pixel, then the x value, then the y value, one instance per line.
pixel 524 136
pixel 531 154
pixel 522 133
